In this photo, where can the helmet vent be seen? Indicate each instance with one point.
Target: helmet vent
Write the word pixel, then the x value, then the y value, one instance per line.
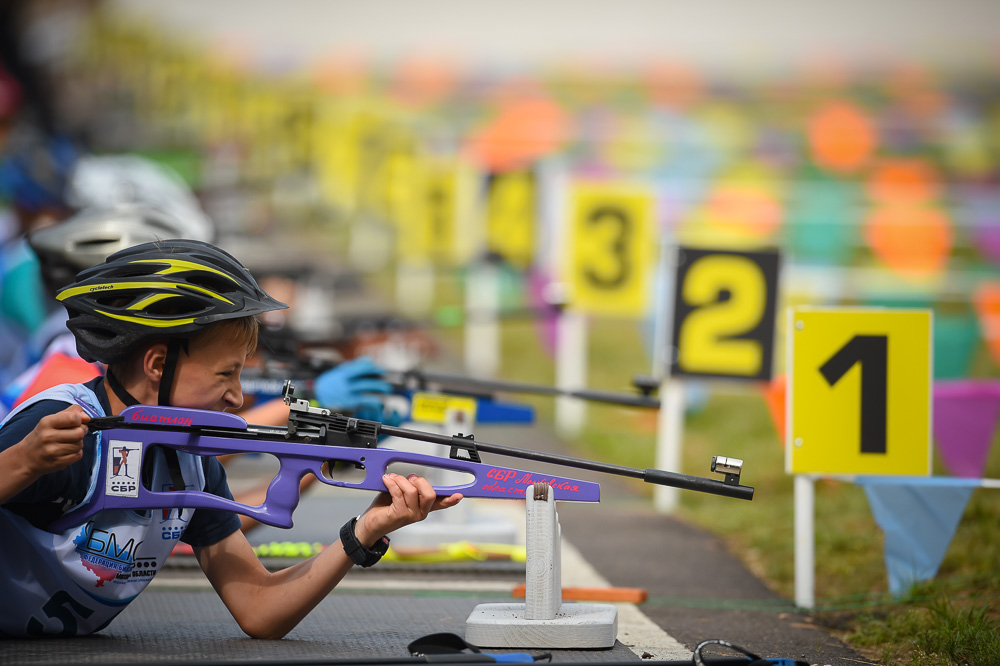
pixel 131 271
pixel 115 299
pixel 212 282
pixel 96 242
pixel 175 306
pixel 97 333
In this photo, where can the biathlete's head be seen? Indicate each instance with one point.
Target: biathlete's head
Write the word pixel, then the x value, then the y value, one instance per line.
pixel 90 236
pixel 146 305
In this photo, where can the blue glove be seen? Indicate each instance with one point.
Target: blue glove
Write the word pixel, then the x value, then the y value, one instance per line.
pixel 391 411
pixel 352 386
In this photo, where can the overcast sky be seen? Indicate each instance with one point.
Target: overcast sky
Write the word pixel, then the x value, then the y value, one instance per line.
pixel 715 34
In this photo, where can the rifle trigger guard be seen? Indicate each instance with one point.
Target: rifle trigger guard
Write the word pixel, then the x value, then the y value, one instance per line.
pixel 466 443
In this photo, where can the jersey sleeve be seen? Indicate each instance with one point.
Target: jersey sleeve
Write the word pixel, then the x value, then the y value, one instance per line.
pixel 209 526
pixel 50 495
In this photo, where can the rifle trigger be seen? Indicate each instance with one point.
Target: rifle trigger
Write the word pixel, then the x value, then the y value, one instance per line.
pixel 466 443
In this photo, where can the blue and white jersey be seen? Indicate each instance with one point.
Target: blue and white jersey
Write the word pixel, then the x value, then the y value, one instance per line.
pixel 75 582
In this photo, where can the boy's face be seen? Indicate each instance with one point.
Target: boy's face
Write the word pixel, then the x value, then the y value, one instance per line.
pixel 208 376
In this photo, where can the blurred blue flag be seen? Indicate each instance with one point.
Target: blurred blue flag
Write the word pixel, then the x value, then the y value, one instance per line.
pixel 918 518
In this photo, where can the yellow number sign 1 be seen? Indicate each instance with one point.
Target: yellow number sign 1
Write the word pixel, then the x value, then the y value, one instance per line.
pixel 859 391
pixel 724 313
pixel 611 249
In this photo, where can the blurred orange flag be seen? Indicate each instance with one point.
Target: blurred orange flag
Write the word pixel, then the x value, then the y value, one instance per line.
pixel 841 137
pixel 424 81
pixel 673 85
pixel 522 131
pixel 344 73
pixel 774 396
pixel 987 303
pixel 904 181
pixel 911 239
pixel 746 203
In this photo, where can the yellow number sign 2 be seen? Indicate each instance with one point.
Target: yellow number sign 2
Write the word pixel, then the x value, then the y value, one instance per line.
pixel 724 311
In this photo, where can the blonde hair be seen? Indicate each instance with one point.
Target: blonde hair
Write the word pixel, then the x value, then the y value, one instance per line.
pixel 240 331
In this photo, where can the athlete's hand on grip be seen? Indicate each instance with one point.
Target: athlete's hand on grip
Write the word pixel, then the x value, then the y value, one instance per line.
pixel 407 500
pixel 57 441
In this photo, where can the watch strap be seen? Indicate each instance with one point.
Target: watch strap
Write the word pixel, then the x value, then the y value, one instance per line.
pixel 364 557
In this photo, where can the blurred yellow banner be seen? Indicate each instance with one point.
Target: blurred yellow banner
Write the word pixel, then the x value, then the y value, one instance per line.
pixel 511 212
pixel 611 250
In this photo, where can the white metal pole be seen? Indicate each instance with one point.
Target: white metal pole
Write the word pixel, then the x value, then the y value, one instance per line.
pixel 805 541
pixel 670 420
pixel 415 288
pixel 669 436
pixel 482 324
pixel 571 372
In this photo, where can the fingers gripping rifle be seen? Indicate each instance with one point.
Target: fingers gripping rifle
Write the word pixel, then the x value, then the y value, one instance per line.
pixel 316 436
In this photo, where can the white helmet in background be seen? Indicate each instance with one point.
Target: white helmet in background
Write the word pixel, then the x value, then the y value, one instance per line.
pixel 87 238
pixel 109 181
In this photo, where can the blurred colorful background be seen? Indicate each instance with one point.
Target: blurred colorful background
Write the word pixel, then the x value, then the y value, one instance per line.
pixel 864 142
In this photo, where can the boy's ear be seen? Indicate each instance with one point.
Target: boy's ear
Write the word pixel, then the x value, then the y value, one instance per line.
pixel 153 361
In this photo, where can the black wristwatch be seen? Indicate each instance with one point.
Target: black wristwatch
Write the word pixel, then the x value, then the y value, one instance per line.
pixel 365 557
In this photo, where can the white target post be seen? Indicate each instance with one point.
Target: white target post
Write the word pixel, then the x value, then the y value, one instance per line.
pixel 482 320
pixel 669 442
pixel 543 620
pixel 415 283
pixel 670 418
pixel 571 372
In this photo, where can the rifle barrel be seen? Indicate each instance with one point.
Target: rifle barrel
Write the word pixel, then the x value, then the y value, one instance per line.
pixel 649 475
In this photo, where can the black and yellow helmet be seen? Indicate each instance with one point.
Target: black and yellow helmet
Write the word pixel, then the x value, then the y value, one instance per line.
pixel 162 289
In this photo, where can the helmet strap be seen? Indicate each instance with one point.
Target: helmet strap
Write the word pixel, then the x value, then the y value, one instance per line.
pixel 174 346
pixel 127 398
pixel 166 379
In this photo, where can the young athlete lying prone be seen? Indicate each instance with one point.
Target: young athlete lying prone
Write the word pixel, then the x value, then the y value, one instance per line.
pixel 174 321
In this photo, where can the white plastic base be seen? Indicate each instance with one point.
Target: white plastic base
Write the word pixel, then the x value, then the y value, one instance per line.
pixel 574 626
